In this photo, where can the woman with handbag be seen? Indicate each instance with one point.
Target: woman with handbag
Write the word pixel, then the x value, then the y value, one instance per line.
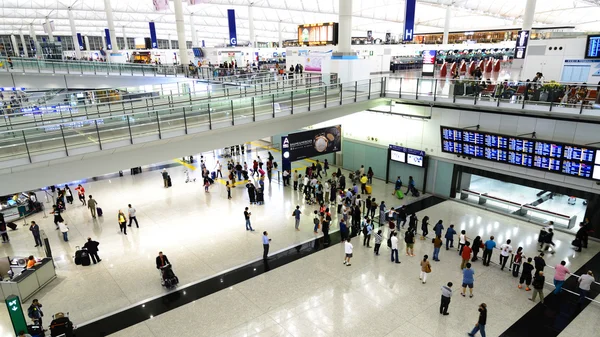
pixel 425 268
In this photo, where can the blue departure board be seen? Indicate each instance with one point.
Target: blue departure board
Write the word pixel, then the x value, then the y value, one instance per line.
pixel 522 159
pixel 576 153
pixel 578 169
pixel 545 163
pixel 495 154
pixel 473 150
pixel 451 134
pixel 473 137
pixel 497 141
pixel 452 147
pixel 520 145
pixel 548 149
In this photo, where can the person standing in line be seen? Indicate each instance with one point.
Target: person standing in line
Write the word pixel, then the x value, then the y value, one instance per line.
pixel 480 326
pixel 218 167
pixel 370 175
pixel 505 251
pixel 363 184
pixel 286 177
pixel 466 255
pixel 424 227
pixel 560 274
pixel 468 280
pixel 131 211
pixel 526 275
pixel 488 250
pixel 585 282
pixel 437 245
pixel 539 263
pixel 438 228
pixel 394 241
pixel 266 243
pixel 35 231
pixel 64 230
pixel 325 167
pixel 369 232
pixel 340 202
pixel 343 230
pixel 475 247
pixel 296 177
pixel 122 222
pixel 517 260
pixel 446 295
pixel 35 312
pixel 361 170
pixel 247 215
pixel 296 215
pixel 450 237
pixel 92 204
pixel 325 226
pixel 373 210
pixel 402 216
pixel 378 239
pixel 425 269
pixel 228 190
pixel 462 239
pixel 165 177
pixel 538 286
pixel 348 249
pixel 92 248
pixel 409 239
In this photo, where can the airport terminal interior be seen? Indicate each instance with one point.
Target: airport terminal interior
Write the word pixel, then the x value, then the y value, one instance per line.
pixel 237 168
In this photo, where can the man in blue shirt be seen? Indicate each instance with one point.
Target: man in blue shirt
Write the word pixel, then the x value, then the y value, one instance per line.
pixel 450 237
pixel 487 252
pixel 438 228
pixel 296 214
pixel 367 231
pixel 468 279
pixel 266 242
pixel 343 230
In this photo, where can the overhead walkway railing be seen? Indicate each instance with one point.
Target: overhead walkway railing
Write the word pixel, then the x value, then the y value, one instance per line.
pixel 83 135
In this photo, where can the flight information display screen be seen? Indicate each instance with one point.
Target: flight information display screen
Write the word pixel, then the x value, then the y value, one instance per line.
pixel 545 163
pixel 473 150
pixel 521 159
pixel 578 169
pixel 548 149
pixel 452 147
pixel 473 137
pixel 578 154
pixel 500 142
pixel 520 145
pixel 495 154
pixel 451 134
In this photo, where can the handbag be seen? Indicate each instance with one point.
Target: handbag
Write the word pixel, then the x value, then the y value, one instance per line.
pixel 427 268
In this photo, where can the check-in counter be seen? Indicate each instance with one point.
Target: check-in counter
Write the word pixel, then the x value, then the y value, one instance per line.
pixel 30 281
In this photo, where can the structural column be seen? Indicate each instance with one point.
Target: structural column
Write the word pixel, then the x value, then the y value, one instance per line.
pixel 528 15
pixel 111 23
pixel 251 25
pixel 25 49
pixel 74 34
pixel 345 28
pixel 49 29
pixel 447 25
pixel 183 55
pixel 36 44
pixel 280 38
pixel 124 38
pixel 15 46
pixel 87 43
pixel 170 44
pixel 193 28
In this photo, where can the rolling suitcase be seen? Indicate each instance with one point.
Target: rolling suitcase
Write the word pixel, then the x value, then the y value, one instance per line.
pixel 399 194
pixel 11 225
pixel 85 258
pixel 213 175
pixel 369 189
pixel 99 211
pixel 35 330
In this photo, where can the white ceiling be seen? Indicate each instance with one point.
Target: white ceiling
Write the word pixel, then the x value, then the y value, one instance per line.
pixel 210 17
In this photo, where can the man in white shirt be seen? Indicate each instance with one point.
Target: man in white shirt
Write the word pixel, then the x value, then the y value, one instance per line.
pixel 218 167
pixel 132 216
pixel 394 241
pixel 585 282
pixel 505 251
pixel 348 249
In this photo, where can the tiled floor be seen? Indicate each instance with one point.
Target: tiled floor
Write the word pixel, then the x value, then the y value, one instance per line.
pixel 319 296
pixel 202 233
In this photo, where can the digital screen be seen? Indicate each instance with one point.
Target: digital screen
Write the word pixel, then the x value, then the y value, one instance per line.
pixel 398 156
pixel 473 150
pixel 318 34
pixel 546 163
pixel 592 48
pixel 428 68
pixel 413 159
pixel 495 154
pixel 578 153
pixel 452 147
pixel 548 149
pixel 451 134
pixel 520 145
pixel 522 159
pixel 198 52
pixel 473 137
pixel 578 169
pixel 496 141
pixel 429 56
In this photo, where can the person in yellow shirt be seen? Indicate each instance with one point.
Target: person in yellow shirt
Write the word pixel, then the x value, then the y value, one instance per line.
pixel 363 183
pixel 122 222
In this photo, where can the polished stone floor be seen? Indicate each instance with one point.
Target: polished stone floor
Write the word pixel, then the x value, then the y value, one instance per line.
pixel 319 296
pixel 202 233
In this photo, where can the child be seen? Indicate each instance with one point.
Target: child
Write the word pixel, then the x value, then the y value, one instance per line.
pixel 228 190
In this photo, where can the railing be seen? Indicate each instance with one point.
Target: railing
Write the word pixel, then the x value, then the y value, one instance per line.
pixel 84 135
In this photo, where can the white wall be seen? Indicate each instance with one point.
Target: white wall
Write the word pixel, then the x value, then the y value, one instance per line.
pixel 551 62
pixel 47 81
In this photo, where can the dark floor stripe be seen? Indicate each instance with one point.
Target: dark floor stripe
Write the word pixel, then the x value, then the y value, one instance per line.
pixel 131 316
pixel 558 311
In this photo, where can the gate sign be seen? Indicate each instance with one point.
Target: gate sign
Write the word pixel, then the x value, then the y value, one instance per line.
pixel 15 312
pixel 409 20
pixel 108 43
pixel 232 31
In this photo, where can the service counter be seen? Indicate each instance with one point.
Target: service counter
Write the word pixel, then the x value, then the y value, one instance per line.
pixel 29 281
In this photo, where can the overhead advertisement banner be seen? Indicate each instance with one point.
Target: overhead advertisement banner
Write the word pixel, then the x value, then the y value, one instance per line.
pixel 80 41
pixel 315 142
pixel 409 20
pixel 108 43
pixel 161 5
pixel 153 38
pixel 522 41
pixel 232 31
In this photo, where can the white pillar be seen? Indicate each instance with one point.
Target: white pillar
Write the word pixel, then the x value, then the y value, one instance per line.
pixel 251 25
pixel 345 28
pixel 74 34
pixel 124 38
pixel 528 15
pixel 87 43
pixel 15 46
pixel 193 28
pixel 447 24
pixel 25 49
pixel 170 45
pixel 280 38
pixel 183 55
pixel 49 29
pixel 36 44
pixel 111 24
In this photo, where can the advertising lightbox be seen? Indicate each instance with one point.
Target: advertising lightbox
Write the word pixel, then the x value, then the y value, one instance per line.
pixel 315 142
pixel 318 34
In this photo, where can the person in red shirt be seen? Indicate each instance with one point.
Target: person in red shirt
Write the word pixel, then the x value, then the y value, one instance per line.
pixel 466 255
pixel 81 193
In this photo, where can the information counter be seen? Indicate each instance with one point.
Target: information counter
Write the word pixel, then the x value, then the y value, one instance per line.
pixel 29 281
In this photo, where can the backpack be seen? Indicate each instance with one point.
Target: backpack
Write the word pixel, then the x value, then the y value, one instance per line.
pixel 389 242
pixel 365 230
pixel 316 221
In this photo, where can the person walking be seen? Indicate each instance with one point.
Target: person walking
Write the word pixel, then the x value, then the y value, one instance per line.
pixel 437 245
pixel 165 177
pixel 397 186
pixel 462 239
pixel 92 204
pixel 348 249
pixel 539 263
pixel 368 233
pixel 122 222
pixel 466 255
pixel 425 269
pixel 516 264
pixel 131 211
pixel 296 215
pixel 488 250
pixel 64 230
pixel 409 239
pixel 450 237
pixel 480 326
pixel 424 227
pixel 438 228
pixel 538 286
pixel 266 242
pixel 394 244
pixel 247 215
pixel 402 216
pixel 35 312
pixel 526 275
pixel 81 194
pixel 92 249
pixel 228 190
pixel 560 275
pixel 3 232
pixel 35 231
pixel 585 282
pixel 505 251
pixel 57 217
pixel 468 280
pixel 445 302
pixel 378 240
pixel 475 247
pixel 295 178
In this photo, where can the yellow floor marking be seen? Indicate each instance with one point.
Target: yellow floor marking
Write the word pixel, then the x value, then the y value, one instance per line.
pixel 190 166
